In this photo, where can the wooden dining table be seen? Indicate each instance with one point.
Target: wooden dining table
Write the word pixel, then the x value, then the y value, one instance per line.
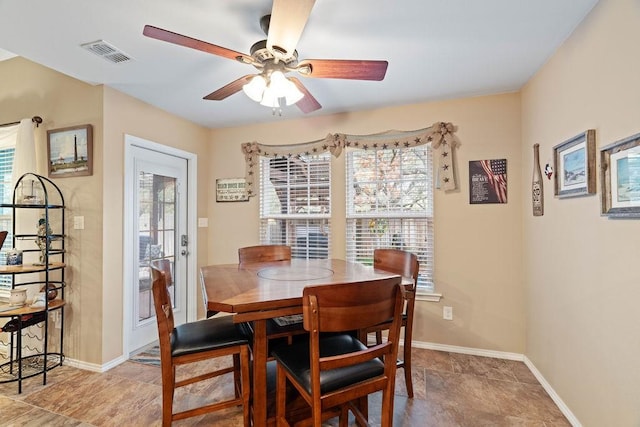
pixel 262 291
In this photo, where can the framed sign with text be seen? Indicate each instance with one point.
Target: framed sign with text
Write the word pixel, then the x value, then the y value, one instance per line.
pixel 488 181
pixel 231 190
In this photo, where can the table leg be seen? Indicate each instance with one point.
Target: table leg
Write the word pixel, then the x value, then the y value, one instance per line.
pixel 260 373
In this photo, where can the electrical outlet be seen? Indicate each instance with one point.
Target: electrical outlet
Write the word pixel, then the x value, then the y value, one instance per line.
pixel 447 313
pixel 78 222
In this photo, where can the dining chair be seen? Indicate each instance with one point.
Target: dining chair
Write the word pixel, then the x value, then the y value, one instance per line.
pixel 264 253
pixel 272 253
pixel 195 342
pixel 332 370
pixel 406 264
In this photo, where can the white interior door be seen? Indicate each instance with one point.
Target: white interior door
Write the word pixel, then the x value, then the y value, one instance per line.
pixel 158 230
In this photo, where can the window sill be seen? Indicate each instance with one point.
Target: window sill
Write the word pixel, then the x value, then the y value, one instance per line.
pixel 428 296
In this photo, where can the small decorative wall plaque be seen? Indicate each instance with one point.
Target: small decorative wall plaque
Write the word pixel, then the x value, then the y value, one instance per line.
pixel 231 190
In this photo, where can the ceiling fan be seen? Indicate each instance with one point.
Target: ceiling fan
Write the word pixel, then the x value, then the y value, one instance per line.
pixel 275 57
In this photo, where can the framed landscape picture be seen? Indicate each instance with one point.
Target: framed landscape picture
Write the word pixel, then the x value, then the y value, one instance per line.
pixel 620 176
pixel 575 164
pixel 70 151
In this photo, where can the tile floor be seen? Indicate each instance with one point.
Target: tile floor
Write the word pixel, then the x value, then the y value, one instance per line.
pixel 450 390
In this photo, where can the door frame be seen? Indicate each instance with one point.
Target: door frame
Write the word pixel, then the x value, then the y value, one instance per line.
pixel 131 141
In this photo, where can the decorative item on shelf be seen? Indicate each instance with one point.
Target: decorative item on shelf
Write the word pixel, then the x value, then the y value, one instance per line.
pixel 43 240
pixel 30 192
pixel 548 170
pixel 52 293
pixel 14 257
pixel 17 297
pixel 39 301
pixel 537 193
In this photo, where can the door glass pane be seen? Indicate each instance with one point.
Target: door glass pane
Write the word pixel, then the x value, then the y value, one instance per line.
pixel 156 234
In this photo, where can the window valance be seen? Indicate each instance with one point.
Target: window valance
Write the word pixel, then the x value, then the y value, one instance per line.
pixel 440 135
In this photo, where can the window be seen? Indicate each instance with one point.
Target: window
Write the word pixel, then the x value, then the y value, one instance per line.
pixel 295 208
pixel 390 204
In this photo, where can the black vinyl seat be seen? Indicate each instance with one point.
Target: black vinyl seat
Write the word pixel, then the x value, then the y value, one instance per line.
pixel 205 335
pixel 296 359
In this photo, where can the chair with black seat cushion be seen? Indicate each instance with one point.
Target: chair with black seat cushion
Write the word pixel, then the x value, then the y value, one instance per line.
pixel 334 371
pixel 405 264
pixel 264 253
pixel 195 342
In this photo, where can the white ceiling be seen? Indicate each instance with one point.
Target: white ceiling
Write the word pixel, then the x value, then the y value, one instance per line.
pixel 436 49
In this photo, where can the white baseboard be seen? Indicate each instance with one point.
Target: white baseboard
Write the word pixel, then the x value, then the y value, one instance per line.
pixel 93 367
pixel 509 356
pixel 552 393
pixel 468 350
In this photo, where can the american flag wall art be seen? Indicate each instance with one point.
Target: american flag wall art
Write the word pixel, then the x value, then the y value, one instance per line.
pixel 488 181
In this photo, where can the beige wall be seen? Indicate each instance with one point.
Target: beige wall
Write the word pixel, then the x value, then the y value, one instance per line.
pixel 93 323
pixel 125 115
pixel 478 248
pixel 581 270
pixel 29 89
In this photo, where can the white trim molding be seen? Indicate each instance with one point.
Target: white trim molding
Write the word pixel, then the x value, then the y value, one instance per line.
pixel 552 394
pixel 428 296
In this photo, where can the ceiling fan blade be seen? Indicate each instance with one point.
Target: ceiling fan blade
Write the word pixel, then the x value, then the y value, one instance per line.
pixel 179 39
pixel 308 103
pixel 230 89
pixel 288 18
pixel 343 69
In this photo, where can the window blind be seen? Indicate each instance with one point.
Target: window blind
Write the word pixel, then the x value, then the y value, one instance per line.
pixel 295 205
pixel 390 205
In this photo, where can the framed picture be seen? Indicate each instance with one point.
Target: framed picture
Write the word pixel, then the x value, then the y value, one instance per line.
pixel 70 151
pixel 231 190
pixel 574 162
pixel 620 177
pixel 487 181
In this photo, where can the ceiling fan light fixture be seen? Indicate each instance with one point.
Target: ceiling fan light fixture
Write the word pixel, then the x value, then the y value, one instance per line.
pixel 278 82
pixel 255 88
pixel 270 94
pixel 292 94
pixel 269 98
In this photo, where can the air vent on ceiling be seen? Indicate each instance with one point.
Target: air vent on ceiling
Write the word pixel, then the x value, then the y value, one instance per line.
pixel 106 51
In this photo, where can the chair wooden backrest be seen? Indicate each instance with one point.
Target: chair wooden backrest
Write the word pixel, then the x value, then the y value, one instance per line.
pixel 348 307
pixel 406 264
pixel 396 261
pixel 162 279
pixel 264 253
